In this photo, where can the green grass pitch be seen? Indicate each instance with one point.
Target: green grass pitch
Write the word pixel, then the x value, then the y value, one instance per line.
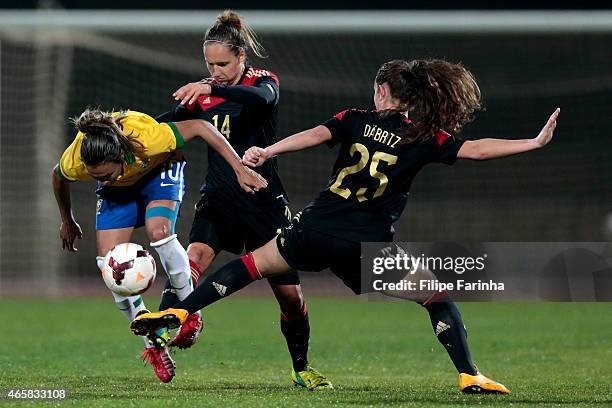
pixel 376 353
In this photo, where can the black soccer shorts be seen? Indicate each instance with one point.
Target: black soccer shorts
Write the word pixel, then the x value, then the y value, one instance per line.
pixel 224 229
pixel 305 249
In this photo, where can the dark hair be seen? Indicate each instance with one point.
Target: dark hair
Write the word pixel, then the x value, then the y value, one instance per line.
pixel 437 93
pixel 231 29
pixel 104 139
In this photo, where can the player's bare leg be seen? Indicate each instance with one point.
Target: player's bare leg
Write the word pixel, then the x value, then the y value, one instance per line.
pixel 108 239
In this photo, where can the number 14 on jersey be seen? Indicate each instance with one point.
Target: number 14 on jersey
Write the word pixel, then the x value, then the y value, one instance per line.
pixel 224 129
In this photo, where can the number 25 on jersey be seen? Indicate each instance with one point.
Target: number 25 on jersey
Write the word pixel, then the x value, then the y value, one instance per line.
pixel 364 156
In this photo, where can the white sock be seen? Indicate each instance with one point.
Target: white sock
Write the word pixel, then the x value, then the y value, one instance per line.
pixel 129 306
pixel 100 262
pixel 175 261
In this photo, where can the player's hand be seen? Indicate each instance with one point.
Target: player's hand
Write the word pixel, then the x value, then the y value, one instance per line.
pixel 188 94
pixel 250 181
pixel 69 231
pixel 255 156
pixel 546 134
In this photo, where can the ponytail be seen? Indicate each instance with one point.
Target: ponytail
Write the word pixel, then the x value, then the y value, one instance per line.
pixel 437 94
pixel 104 139
pixel 233 30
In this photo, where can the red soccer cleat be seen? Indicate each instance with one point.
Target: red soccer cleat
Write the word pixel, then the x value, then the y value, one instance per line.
pixel 188 333
pixel 161 361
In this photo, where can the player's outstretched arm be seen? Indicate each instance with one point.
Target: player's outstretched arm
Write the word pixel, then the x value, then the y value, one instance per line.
pixel 256 156
pixel 69 229
pixel 485 149
pixel 249 180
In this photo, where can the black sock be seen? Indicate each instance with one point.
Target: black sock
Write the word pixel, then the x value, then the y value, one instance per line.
pixel 168 297
pixel 450 330
pixel 232 277
pixel 296 330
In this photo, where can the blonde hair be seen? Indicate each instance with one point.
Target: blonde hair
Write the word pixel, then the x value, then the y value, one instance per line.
pixel 233 30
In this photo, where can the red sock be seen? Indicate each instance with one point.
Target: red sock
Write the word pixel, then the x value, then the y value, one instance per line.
pixel 195 272
pixel 249 262
pixel 436 297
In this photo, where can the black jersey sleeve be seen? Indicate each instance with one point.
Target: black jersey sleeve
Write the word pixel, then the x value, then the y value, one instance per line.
pixel 339 127
pixel 265 91
pixel 445 148
pixel 179 113
pixel 166 117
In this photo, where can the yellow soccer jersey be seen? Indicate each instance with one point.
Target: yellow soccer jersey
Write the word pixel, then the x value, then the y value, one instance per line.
pixel 160 140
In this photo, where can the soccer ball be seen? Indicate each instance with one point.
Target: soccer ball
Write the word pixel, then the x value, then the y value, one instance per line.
pixel 128 269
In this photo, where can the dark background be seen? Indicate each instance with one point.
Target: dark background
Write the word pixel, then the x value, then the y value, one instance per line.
pixel 313 5
pixel 561 193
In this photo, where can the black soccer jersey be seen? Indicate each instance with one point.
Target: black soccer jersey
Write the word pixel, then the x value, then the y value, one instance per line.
pixel 246 115
pixel 369 185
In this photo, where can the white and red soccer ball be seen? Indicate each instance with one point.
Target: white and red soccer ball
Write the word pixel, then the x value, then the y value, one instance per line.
pixel 128 269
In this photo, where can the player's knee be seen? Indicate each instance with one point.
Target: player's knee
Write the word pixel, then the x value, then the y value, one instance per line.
pixel 291 301
pixel 158 233
pixel 160 222
pixel 201 254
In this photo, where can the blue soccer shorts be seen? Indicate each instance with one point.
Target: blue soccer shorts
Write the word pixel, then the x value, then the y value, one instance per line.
pixel 122 207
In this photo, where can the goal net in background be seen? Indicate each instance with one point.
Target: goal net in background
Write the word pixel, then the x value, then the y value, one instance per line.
pixel 54 64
